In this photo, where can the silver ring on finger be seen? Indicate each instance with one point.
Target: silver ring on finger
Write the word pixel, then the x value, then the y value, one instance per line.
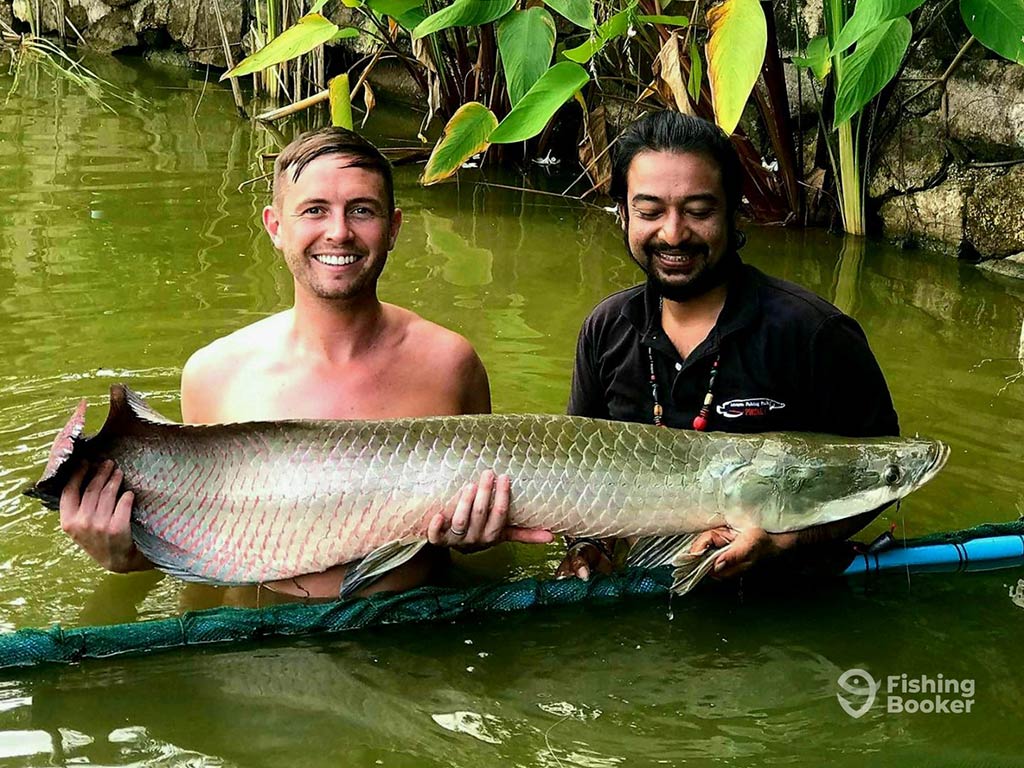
pixel 456 532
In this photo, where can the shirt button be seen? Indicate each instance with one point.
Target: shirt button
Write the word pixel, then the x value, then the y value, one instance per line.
pixel 679 366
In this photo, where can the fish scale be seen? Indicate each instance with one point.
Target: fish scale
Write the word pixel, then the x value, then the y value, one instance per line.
pixel 253 502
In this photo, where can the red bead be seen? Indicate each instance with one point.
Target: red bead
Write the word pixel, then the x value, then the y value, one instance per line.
pixel 700 423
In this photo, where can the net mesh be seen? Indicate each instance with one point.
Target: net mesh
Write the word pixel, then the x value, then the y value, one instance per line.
pixel 29 647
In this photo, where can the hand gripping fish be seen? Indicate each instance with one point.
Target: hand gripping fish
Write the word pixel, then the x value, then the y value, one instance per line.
pixel 254 502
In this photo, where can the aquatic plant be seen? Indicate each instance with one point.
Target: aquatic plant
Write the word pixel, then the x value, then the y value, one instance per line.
pixel 860 57
pixel 25 49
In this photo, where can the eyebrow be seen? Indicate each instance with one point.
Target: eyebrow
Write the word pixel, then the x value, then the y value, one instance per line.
pixel 705 197
pixel 325 201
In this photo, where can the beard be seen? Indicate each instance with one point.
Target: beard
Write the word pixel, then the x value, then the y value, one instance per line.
pixel 706 278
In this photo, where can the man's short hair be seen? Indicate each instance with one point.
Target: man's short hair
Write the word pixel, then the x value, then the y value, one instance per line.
pixel 674 132
pixel 332 141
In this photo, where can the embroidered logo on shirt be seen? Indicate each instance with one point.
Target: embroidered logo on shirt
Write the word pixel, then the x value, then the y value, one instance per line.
pixel 748 406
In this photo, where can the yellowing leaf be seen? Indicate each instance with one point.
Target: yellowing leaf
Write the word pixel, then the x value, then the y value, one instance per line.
pixel 310 31
pixel 466 134
pixel 735 52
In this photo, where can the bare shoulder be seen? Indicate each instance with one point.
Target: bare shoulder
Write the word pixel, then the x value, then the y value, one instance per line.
pixel 212 369
pixel 448 356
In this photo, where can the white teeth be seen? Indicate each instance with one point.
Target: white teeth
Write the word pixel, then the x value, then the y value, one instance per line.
pixel 335 261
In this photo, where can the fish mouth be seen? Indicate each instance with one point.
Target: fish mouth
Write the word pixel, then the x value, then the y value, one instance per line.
pixel 939 459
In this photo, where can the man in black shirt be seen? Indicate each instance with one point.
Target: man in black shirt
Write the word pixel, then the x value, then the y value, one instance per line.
pixel 708 342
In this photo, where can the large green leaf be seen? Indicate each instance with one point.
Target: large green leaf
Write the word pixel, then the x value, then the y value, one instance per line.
pixel 998 25
pixel 615 27
pixel 408 13
pixel 526 41
pixel 579 12
pixel 465 135
pixel 818 58
pixel 735 53
pixel 463 13
pixel 871 66
pixel 308 32
pixel 531 114
pixel 869 14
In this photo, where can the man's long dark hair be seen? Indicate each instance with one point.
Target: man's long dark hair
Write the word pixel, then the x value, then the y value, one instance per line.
pixel 675 132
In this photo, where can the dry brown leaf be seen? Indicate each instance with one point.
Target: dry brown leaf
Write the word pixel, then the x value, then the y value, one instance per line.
pixel 670 77
pixel 593 151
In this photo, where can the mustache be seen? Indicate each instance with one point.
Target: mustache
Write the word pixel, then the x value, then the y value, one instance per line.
pixel 697 249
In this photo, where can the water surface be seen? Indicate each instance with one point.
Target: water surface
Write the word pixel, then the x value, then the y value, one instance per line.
pixel 125 245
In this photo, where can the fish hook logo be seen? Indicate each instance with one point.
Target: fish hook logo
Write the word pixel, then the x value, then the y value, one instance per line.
pixel 850 681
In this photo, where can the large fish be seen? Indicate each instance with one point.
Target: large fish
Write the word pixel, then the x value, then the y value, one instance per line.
pixel 260 501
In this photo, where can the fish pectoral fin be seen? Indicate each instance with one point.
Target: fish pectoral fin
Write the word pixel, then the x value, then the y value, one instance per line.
pixel 655 551
pixel 690 568
pixel 382 560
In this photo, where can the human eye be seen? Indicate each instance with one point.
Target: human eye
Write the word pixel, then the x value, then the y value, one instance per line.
pixel 363 212
pixel 647 214
pixel 314 210
pixel 700 212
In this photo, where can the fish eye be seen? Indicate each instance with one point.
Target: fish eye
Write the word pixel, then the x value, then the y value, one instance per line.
pixel 893 474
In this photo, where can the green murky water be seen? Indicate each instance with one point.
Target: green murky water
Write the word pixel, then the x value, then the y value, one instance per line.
pixel 125 245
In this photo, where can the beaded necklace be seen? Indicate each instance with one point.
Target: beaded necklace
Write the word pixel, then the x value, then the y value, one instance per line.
pixel 700 421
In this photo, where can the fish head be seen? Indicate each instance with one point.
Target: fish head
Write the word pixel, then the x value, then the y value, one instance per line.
pixel 819 480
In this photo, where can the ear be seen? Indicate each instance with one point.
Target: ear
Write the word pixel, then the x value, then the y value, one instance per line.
pixel 623 215
pixel 272 223
pixel 396 225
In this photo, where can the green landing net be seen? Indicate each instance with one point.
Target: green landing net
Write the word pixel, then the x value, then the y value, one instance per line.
pixel 29 647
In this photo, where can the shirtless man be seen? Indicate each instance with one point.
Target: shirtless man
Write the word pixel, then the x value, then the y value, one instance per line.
pixel 338 353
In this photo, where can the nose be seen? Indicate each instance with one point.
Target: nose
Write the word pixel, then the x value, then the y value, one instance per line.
pixel 337 227
pixel 674 229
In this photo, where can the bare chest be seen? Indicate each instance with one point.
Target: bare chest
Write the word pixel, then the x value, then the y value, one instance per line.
pixel 368 390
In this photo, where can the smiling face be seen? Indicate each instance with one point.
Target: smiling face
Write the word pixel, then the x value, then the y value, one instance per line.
pixel 334 227
pixel 676 221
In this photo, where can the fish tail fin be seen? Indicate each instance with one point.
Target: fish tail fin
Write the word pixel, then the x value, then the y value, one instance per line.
pixel 129 415
pixel 58 467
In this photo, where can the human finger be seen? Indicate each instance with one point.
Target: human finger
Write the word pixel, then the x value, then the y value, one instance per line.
pixel 122 517
pixel 481 506
pixel 71 497
pixel 107 499
pixel 435 530
pixel 528 535
pixel 573 565
pixel 494 527
pixel 459 523
pixel 91 497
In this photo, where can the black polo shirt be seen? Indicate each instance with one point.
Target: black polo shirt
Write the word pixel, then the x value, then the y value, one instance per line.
pixel 789 361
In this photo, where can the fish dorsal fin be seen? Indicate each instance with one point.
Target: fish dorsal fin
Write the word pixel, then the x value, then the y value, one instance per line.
pixel 129 414
pixel 140 407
